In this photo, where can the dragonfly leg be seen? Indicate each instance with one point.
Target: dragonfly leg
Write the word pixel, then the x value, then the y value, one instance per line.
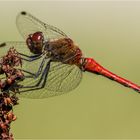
pixel 35 75
pixel 42 78
pixel 38 88
pixel 30 58
pixel 31 75
pixel 35 87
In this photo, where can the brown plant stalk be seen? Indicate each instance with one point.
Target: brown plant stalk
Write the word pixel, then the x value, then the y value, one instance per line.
pixel 8 89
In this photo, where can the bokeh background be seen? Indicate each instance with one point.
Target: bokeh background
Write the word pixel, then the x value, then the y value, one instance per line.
pixel 109 32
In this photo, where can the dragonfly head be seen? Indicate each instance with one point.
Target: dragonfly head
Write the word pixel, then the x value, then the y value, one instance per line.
pixel 35 42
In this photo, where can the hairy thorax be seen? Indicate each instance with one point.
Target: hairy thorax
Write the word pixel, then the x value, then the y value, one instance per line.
pixel 64 50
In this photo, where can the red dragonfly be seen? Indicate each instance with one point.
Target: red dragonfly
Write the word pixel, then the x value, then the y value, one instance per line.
pixel 54 64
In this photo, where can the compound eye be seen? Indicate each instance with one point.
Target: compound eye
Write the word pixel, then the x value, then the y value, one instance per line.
pixel 29 43
pixel 37 37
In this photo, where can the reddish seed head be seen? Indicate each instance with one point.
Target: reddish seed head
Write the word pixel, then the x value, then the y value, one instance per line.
pixel 20 74
pixel 10 116
pixel 7 101
pixel 4 67
pixel 2 84
pixel 8 63
pixel 7 121
pixel 14 117
pixel 4 135
pixel 9 81
pixel 13 77
pixel 3 126
pixel 7 66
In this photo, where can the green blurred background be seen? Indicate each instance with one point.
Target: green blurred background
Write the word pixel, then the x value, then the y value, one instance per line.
pixel 99 108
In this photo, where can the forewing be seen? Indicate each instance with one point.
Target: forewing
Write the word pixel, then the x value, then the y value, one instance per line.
pixel 28 24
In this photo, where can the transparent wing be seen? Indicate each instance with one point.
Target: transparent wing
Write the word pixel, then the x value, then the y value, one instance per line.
pixel 61 79
pixel 28 24
pixel 20 47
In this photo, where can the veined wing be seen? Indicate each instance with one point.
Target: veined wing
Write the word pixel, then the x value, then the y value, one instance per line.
pixel 20 47
pixel 28 24
pixel 61 79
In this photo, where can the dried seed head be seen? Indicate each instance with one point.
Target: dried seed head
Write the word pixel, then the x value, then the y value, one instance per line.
pixel 9 87
pixel 3 126
pixel 8 100
pixel 2 84
pixel 14 117
pixel 10 116
pixel 5 101
pixel 9 81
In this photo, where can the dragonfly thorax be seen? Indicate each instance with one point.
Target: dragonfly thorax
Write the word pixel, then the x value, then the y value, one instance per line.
pixel 63 50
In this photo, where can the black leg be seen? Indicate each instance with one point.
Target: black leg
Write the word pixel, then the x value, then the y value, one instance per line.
pixel 31 58
pixel 43 77
pixel 31 75
pixel 46 75
pixel 28 56
pixel 40 68
pixel 35 75
pixel 38 88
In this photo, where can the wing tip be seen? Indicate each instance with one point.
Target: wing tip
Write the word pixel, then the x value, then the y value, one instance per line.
pixel 23 13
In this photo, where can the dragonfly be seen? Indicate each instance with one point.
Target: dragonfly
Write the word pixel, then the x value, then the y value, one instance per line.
pixel 52 63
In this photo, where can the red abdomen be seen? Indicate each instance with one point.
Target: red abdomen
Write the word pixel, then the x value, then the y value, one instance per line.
pixel 92 66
